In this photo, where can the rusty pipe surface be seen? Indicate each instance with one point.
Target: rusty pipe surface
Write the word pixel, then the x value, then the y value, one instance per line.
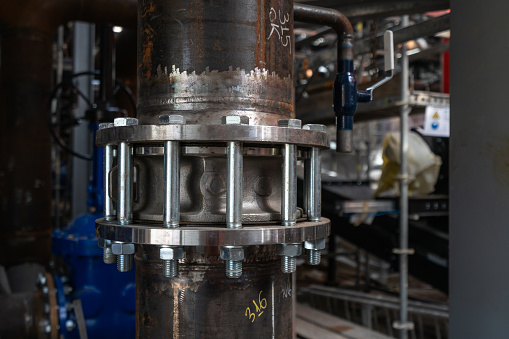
pixel 206 59
pixel 22 315
pixel 27 29
pixel 202 302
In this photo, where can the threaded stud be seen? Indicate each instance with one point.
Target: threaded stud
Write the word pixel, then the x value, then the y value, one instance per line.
pixel 233 268
pixel 124 262
pixel 313 256
pixel 288 264
pixel 108 256
pixel 170 268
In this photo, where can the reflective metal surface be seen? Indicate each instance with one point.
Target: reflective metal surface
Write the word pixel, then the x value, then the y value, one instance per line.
pixel 211 134
pixel 145 233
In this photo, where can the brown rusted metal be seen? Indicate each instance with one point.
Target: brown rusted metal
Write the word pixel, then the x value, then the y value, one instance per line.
pixel 26 28
pixel 209 59
pixel 22 315
pixel 203 303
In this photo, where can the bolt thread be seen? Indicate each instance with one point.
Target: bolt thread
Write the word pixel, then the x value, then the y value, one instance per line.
pixel 124 262
pixel 108 256
pixel 288 264
pixel 233 268
pixel 170 268
pixel 314 256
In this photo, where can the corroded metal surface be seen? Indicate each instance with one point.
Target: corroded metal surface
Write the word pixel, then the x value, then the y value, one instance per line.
pixel 209 59
pixel 195 235
pixel 250 135
pixel 203 303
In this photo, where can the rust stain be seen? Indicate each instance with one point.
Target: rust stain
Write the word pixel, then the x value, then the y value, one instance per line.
pixel 148 7
pixel 148 47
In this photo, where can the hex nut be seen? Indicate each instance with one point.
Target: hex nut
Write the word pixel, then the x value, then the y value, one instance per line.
pixel 103 243
pixel 171 253
pixel 290 123
pixel 125 122
pixel 318 244
pixel 235 120
pixel 122 248
pixel 289 250
pixel 104 125
pixel 172 119
pixel 232 253
pixel 315 127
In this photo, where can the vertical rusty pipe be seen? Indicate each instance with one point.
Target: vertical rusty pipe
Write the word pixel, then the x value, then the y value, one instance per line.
pixel 202 302
pixel 206 59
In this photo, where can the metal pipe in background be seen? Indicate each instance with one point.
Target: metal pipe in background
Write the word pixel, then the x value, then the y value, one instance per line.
pixel 403 325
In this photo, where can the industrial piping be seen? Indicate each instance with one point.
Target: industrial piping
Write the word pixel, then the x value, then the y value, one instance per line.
pixel 27 29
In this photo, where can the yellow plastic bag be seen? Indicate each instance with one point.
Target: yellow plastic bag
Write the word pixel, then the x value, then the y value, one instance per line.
pixel 423 166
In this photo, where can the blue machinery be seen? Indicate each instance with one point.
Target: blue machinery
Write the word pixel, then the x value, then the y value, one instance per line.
pixel 107 296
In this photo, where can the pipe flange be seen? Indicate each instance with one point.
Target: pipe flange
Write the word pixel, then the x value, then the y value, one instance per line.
pixel 212 134
pixel 151 234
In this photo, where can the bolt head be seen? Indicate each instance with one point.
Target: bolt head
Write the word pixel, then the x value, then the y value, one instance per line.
pixel 69 325
pixel 171 253
pixel 172 119
pixel 290 123
pixel 122 248
pixel 232 253
pixel 315 127
pixel 103 243
pixel 318 244
pixel 125 122
pixel 41 279
pixel 235 120
pixel 289 250
pixel 104 125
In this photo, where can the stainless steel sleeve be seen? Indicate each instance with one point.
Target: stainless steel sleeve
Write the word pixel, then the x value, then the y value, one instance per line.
pixel 109 211
pixel 234 177
pixel 171 210
pixel 289 186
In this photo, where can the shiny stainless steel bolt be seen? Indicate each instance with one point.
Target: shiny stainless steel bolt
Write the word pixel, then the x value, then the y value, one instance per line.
pixel 289 254
pixel 125 179
pixel 233 257
pixel 109 211
pixel 313 250
pixel 234 180
pixel 108 256
pixel 289 189
pixel 124 253
pixel 124 262
pixel 170 257
pixel 313 178
pixel 171 207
